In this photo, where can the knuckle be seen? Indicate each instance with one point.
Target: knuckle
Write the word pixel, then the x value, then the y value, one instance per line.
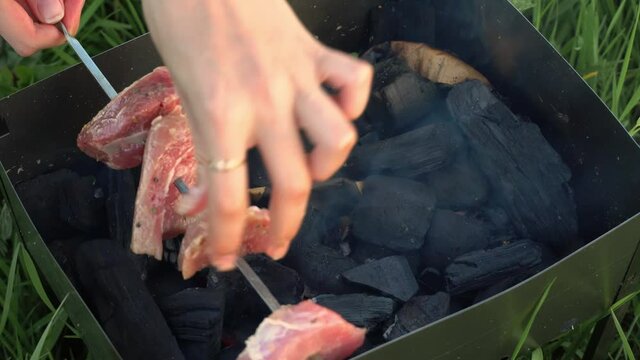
pixel 297 190
pixel 24 50
pixel 228 208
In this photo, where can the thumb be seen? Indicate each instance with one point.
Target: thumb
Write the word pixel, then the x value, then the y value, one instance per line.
pixel 47 11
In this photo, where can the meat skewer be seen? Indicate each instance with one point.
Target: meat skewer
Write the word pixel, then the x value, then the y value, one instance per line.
pixel 245 269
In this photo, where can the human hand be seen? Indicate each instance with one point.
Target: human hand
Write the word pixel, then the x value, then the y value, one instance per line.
pixel 249 74
pixel 29 25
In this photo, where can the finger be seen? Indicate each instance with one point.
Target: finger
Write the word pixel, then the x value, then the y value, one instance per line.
pixel 331 133
pixel 351 77
pixel 287 166
pixel 47 11
pixel 193 203
pixel 227 195
pixel 20 31
pixel 72 12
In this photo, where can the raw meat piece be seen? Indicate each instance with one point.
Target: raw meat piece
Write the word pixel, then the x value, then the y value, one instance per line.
pixel 193 256
pixel 303 331
pixel 169 154
pixel 117 134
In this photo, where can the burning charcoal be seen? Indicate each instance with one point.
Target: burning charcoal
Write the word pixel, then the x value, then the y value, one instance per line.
pixel 361 310
pixel 409 99
pixel 452 234
pixel 482 268
pixel 121 302
pixel 241 298
pixel 195 318
pixel 391 275
pixel 411 20
pixel 41 198
pixel 431 280
pixel 418 312
pixel 459 186
pixel 529 177
pixel 412 154
pixel 82 205
pixel 394 213
pixel 319 266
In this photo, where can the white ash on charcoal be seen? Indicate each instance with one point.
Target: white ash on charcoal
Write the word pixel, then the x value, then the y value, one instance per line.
pixel 459 186
pixel 242 300
pixel 482 268
pixel 411 155
pixel 394 213
pixel 417 313
pixel 195 316
pixel 320 266
pixel 452 234
pixel 122 304
pixel 390 276
pixel 362 310
pixel 411 20
pixel 431 280
pixel 527 175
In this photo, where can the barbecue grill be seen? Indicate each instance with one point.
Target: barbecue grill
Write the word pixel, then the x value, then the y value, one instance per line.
pixel 41 122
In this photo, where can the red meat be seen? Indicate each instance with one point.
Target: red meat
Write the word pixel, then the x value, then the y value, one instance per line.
pixel 117 134
pixel 303 331
pixel 168 155
pixel 193 255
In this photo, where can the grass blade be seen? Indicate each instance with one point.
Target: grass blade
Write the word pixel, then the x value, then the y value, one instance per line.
pixel 51 332
pixel 527 329
pixel 537 354
pixel 32 273
pixel 625 65
pixel 625 343
pixel 10 284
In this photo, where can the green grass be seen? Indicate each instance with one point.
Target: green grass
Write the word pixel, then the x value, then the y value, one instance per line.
pixel 598 37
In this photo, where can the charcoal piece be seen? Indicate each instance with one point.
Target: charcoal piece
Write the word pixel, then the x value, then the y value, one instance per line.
pixel 418 312
pixel 121 302
pixel 409 98
pixel 171 250
pixel 258 175
pixel 411 155
pixel 394 213
pixel 63 251
pixel 41 198
pixel 459 186
pixel 195 317
pixel 431 280
pixel 364 252
pixel 122 189
pixel 482 268
pixel 82 205
pixel 319 266
pixel 391 276
pixel 410 20
pixel 242 300
pixel 231 352
pixel 500 286
pixel 335 199
pixel 337 236
pixel 452 234
pixel 163 280
pixel 361 310
pixel 528 176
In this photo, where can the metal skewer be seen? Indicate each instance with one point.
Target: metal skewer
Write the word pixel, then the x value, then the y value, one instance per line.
pixel 246 270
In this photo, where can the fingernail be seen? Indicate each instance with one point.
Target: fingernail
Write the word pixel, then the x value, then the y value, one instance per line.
pixel 52 11
pixel 225 263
